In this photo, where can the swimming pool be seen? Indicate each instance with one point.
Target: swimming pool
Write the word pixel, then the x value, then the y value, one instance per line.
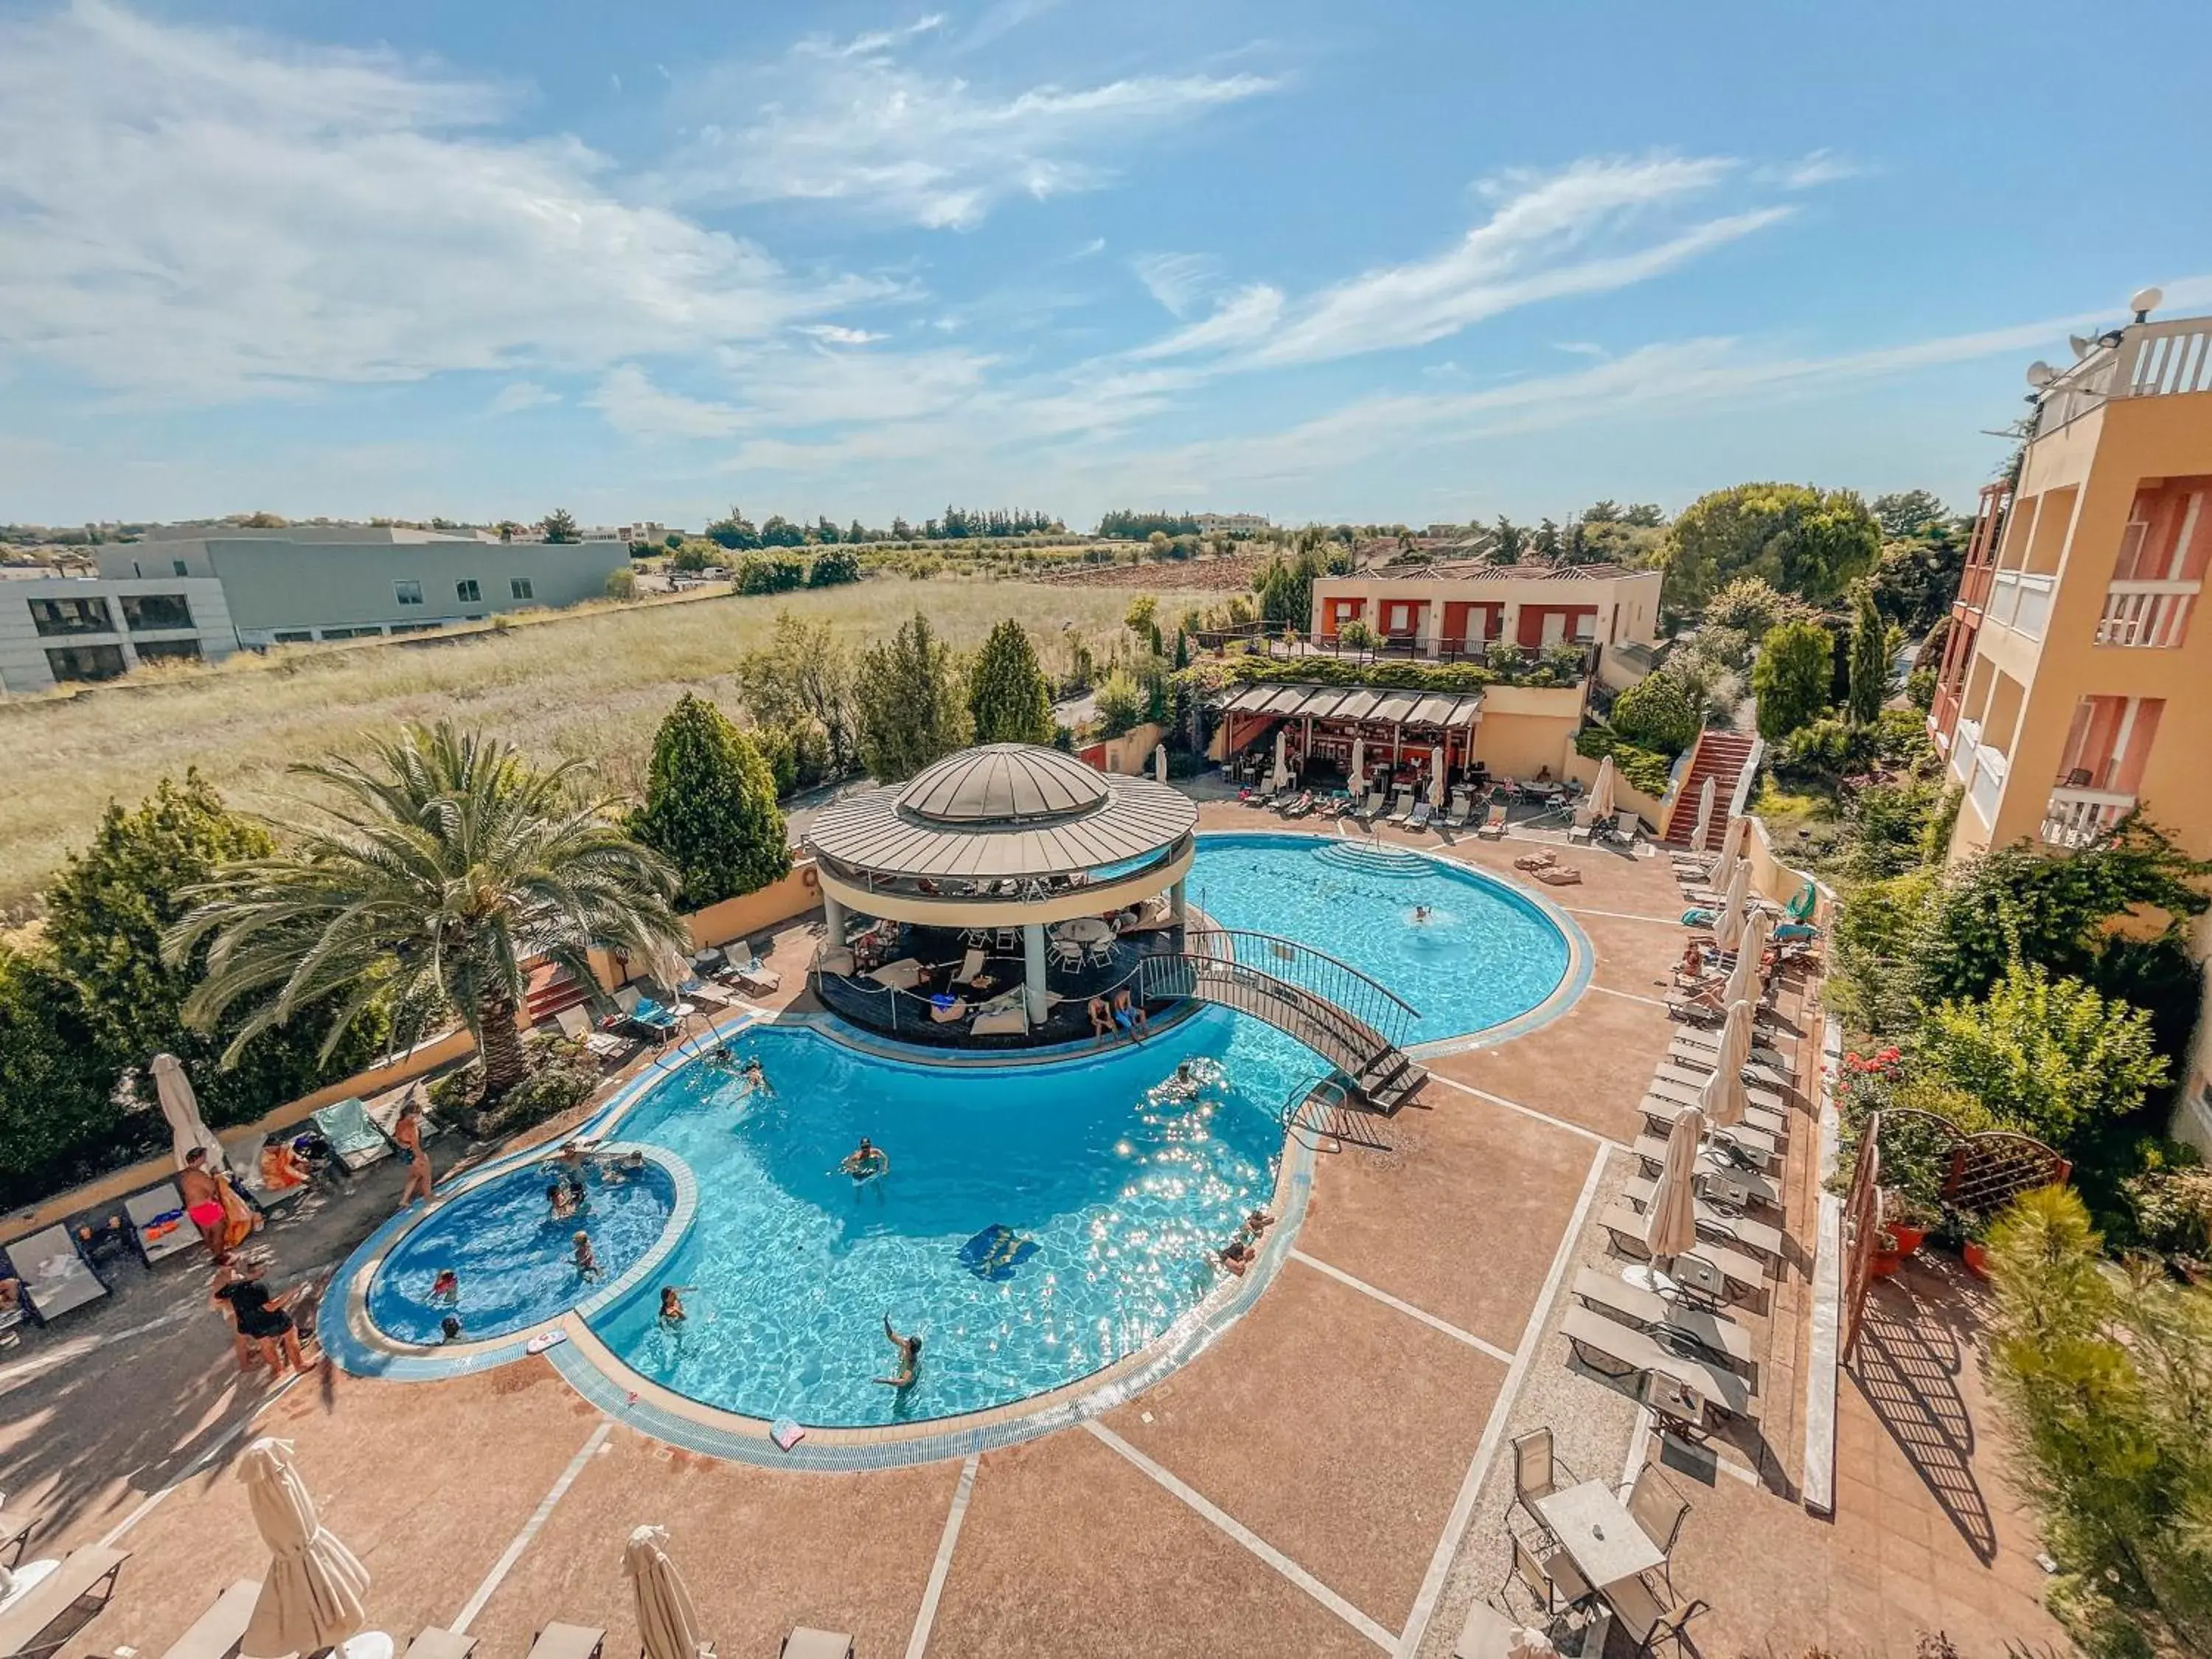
pixel 1483 954
pixel 793 1267
pixel 516 1265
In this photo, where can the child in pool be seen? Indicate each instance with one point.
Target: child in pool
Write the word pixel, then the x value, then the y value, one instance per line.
pixel 447 1286
pixel 450 1328
pixel 672 1306
pixel 587 1262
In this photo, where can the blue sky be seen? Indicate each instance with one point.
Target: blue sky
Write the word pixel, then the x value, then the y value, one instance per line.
pixel 1387 262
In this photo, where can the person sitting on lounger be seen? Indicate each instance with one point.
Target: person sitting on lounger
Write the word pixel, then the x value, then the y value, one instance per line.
pixel 909 1360
pixel 11 1294
pixel 282 1167
pixel 866 1161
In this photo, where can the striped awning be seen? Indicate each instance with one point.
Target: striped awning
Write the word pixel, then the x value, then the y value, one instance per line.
pixel 1442 709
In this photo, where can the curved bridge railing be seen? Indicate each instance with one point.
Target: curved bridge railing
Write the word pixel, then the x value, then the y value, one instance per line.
pixel 1339 1013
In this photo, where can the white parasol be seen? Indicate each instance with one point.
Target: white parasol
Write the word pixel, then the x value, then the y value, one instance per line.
pixel 1598 804
pixel 1705 815
pixel 1728 926
pixel 312 1598
pixel 1731 845
pixel 1722 1097
pixel 667 1622
pixel 1359 779
pixel 1281 777
pixel 182 1108
pixel 1160 762
pixel 1670 1220
pixel 1437 778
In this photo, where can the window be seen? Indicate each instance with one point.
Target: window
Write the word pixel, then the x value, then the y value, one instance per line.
pixel 52 617
pixel 414 627
pixel 466 590
pixel 355 632
pixel 407 592
pixel 169 651
pixel 177 565
pixel 85 662
pixel 519 586
pixel 295 636
pixel 143 612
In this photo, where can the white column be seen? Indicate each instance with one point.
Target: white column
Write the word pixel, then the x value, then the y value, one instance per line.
pixel 1033 969
pixel 1178 902
pixel 833 917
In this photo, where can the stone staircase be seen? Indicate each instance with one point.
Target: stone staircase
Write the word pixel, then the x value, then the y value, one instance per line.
pixel 1722 756
pixel 551 989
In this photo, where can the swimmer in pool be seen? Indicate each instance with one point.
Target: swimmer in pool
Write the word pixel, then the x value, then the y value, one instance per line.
pixel 866 1160
pixel 909 1360
pixel 587 1262
pixel 449 1328
pixel 560 1200
pixel 445 1287
pixel 1420 914
pixel 672 1305
pixel 1237 1256
pixel 720 1055
pixel 1258 1222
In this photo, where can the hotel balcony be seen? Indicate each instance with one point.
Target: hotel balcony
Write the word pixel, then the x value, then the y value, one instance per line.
pixel 1985 778
pixel 2075 817
pixel 2147 615
pixel 2020 602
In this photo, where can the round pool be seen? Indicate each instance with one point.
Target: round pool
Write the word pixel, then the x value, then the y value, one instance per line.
pixel 1468 951
pixel 516 1265
pixel 1037 1223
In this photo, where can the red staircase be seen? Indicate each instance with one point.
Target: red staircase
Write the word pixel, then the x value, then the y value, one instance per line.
pixel 552 989
pixel 1722 756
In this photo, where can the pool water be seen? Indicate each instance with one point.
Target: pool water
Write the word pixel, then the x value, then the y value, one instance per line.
pixel 515 1264
pixel 1482 955
pixel 792 1266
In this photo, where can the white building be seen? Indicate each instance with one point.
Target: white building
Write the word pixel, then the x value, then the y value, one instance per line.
pixel 1231 524
pixel 55 630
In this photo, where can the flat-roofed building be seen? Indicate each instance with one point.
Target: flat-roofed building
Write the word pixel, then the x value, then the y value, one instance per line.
pixel 1457 609
pixel 350 581
pixel 57 630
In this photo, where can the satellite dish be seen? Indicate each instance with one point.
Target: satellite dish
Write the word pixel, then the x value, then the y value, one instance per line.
pixel 2144 301
pixel 2081 342
pixel 2041 374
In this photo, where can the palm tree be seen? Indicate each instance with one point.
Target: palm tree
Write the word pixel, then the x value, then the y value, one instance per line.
pixel 445 865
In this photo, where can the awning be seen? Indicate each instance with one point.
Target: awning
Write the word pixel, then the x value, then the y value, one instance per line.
pixel 1395 706
pixel 1328 703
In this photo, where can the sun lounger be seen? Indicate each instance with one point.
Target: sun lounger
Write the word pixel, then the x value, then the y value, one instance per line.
pixel 1463 809
pixel 1403 809
pixel 1684 1079
pixel 1756 1237
pixel 158 1226
pixel 1002 1022
pixel 1746 1275
pixel 806 1643
pixel 900 975
pixel 576 1023
pixel 436 1643
pixel 1612 1295
pixel 1713 1161
pixel 244 1154
pixel 1665 1101
pixel 1493 823
pixel 1766 1068
pixel 355 1141
pixel 83 1575
pixel 1557 875
pixel 757 979
pixel 55 1276
pixel 1762 1145
pixel 1613 1349
pixel 1422 813
pixel 216 1633
pixel 569 1642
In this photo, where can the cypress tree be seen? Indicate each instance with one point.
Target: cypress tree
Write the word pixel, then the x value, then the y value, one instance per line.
pixel 1007 696
pixel 1870 659
pixel 710 807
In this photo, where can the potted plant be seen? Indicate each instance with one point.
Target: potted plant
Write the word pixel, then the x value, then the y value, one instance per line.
pixel 1973 1230
pixel 1907 1219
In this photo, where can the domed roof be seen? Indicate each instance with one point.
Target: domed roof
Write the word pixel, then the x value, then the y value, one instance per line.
pixel 1003 783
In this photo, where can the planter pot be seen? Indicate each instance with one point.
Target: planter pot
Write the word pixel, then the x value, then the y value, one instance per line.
pixel 1885 1262
pixel 1977 1257
pixel 1909 1239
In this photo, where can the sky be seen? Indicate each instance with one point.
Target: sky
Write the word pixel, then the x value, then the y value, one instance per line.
pixel 1383 263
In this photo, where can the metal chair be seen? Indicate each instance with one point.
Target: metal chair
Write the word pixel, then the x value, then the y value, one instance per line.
pixel 1536 1473
pixel 1658 1508
pixel 1101 951
pixel 1649 1616
pixel 1553 1582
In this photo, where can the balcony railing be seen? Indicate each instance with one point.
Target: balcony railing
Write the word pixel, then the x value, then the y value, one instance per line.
pixel 2075 817
pixel 1943 718
pixel 2021 602
pixel 2152 359
pixel 1974 585
pixel 1966 738
pixel 1987 788
pixel 2153 615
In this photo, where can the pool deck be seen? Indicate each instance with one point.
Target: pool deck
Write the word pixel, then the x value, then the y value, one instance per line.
pixel 1328 1477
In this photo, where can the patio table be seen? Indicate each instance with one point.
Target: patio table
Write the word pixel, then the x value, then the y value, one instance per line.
pixel 1085 930
pixel 1599 1536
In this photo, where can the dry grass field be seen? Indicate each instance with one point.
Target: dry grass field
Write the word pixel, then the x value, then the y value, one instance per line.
pixel 592 686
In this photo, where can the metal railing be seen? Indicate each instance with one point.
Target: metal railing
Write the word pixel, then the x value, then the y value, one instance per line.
pixel 2075 818
pixel 1370 1002
pixel 1348 1043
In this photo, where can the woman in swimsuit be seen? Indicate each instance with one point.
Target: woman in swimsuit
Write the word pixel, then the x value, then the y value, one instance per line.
pixel 909 1365
pixel 408 1132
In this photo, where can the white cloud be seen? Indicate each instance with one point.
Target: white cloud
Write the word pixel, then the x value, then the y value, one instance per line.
pixel 849 123
pixel 1178 281
pixel 519 395
pixel 1580 348
pixel 838 334
pixel 201 214
pixel 633 405
pixel 1819 166
pixel 1244 318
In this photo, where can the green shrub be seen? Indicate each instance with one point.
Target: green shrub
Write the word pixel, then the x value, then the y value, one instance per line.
pixel 1825 748
pixel 562 1075
pixel 1655 713
pixel 622 584
pixel 832 567
pixel 1920 689
pixel 710 807
pixel 770 572
pixel 1792 678
pixel 1121 703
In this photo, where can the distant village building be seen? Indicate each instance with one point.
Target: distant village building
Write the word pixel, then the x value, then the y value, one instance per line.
pixel 1231 524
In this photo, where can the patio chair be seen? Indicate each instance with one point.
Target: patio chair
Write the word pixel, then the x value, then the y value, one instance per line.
pixel 1422 813
pixel 1659 1510
pixel 1463 809
pixel 1067 953
pixel 1006 941
pixel 56 1276
pixel 1553 1582
pixel 1493 823
pixel 158 1226
pixel 1101 951
pixel 971 967
pixel 355 1141
pixel 1537 1471
pixel 1403 809
pixel 216 1633
pixel 755 978
pixel 1649 1616
pixel 81 1574
pixel 576 1022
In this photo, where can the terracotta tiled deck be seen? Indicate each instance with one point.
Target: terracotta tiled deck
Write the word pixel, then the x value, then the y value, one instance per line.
pixel 1326 1479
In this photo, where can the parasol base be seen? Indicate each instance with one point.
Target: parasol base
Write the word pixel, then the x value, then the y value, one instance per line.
pixel 1646 1277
